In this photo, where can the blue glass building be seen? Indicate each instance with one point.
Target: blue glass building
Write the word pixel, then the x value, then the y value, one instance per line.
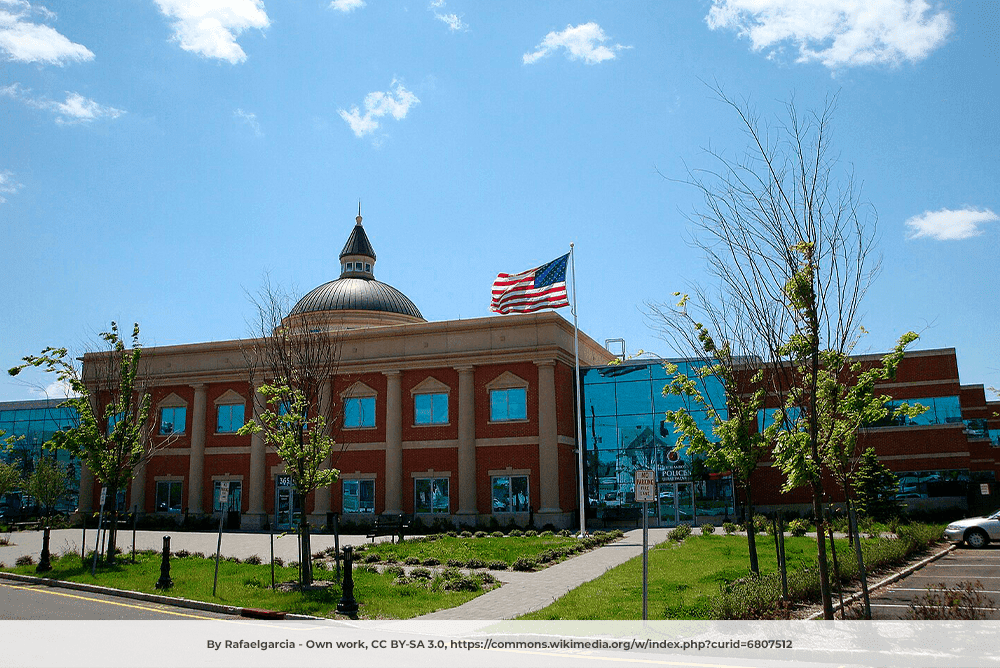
pixel 624 431
pixel 34 422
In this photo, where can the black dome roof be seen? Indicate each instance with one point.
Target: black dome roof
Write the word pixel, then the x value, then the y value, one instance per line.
pixel 356 294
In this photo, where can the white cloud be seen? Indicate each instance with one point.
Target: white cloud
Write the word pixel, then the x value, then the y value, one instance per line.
pixel 837 34
pixel 453 21
pixel 583 42
pixel 74 110
pixel 250 119
pixel 210 27
pixel 347 5
pixel 948 224
pixel 57 389
pixel 28 42
pixel 378 104
pixel 8 186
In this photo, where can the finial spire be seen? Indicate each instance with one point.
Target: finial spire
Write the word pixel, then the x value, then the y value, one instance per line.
pixel 359 213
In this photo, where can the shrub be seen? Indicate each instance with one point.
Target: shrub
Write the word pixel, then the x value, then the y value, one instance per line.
pixel 730 528
pixel 798 527
pixel 565 533
pixel 394 571
pixel 405 580
pixel 180 554
pixel 390 559
pixel 431 561
pixel 546 534
pixel 480 534
pixel 466 534
pixel 456 563
pixel 473 563
pixel 679 532
pixel 524 564
pixel 545 556
pixel 488 578
pixel 452 534
pixel 462 584
pixel 253 560
pixel 371 558
pixel 450 574
pixel 497 534
pixel 530 533
pixel 498 565
pixel 516 533
pixel 278 561
pixel 421 573
pixel 707 529
pixel 963 601
pixel 25 560
pixel 411 561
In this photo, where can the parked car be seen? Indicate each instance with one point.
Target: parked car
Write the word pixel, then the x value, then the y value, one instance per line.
pixel 975 531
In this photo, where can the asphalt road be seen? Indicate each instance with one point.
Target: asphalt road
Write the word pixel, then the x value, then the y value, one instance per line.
pixel 34 601
pixel 963 565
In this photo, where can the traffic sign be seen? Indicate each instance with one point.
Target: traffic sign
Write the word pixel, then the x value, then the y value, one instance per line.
pixel 645 486
pixel 223 492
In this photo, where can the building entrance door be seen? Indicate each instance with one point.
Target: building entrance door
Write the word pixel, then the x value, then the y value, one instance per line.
pixel 287 503
pixel 675 503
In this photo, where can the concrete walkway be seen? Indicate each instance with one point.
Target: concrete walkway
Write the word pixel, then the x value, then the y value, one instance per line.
pixel 522 593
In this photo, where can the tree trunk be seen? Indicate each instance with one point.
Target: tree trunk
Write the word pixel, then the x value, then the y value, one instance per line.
pixel 751 533
pixel 305 558
pixel 112 520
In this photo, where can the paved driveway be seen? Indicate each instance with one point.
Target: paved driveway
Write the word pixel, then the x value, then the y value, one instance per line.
pixel 961 565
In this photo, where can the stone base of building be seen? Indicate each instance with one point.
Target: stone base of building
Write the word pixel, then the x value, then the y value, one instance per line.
pixel 254 521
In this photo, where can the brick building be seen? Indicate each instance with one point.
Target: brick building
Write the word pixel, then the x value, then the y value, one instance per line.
pixel 463 420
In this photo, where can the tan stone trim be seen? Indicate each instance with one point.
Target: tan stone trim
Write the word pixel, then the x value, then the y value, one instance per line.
pixel 508 421
pixel 358 475
pixel 507 381
pixel 918 383
pixel 417 445
pixel 168 478
pixel 913 427
pixel 982 461
pixel 361 447
pixel 928 455
pixel 226 476
pixel 358 390
pixel 227 450
pixel 506 440
pixel 173 452
pixel 430 385
pixel 493 473
pixel 430 473
pixel 172 401
pixel 230 398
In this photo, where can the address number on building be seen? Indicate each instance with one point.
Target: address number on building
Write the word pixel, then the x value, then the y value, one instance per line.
pixel 645 486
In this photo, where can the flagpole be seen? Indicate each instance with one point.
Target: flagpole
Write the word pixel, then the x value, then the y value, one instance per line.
pixel 579 400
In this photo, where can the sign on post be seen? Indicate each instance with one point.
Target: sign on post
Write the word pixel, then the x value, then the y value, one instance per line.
pixel 645 486
pixel 645 491
pixel 223 502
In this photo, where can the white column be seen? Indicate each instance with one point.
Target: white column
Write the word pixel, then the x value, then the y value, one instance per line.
pixel 548 439
pixel 466 446
pixel 196 463
pixel 257 485
pixel 393 443
pixel 322 503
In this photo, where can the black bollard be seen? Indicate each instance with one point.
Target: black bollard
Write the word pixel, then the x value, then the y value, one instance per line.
pixel 43 562
pixel 347 605
pixel 165 582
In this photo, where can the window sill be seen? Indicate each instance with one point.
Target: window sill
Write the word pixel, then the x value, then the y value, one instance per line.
pixel 517 421
pixel 358 428
pixel 432 424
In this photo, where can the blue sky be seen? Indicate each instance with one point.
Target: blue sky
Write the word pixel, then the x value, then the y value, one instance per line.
pixel 157 157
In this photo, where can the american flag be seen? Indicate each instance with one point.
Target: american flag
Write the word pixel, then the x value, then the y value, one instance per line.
pixel 532 290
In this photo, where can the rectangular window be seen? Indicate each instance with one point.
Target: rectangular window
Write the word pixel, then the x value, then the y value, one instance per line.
pixel 114 420
pixel 359 412
pixel 508 405
pixel 168 496
pixel 229 419
pixel 172 420
pixel 359 496
pixel 430 495
pixel 430 408
pixel 235 496
pixel 510 494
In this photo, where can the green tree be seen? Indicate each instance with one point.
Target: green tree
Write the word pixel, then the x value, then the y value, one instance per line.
pixel 732 442
pixel 875 488
pixel 112 400
pixel 10 477
pixel 302 441
pixel 49 484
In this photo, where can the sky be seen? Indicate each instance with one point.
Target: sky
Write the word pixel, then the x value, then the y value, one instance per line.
pixel 160 158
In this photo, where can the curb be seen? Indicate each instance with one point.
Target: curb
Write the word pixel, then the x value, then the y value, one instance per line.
pixel 252 613
pixel 888 581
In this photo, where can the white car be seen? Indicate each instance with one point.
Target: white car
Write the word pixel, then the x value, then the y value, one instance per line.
pixel 975 531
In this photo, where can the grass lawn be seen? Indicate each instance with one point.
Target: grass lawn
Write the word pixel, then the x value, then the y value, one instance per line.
pixel 506 549
pixel 683 578
pixel 249 586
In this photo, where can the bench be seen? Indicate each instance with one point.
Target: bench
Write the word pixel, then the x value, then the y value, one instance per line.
pixel 389 525
pixel 23 526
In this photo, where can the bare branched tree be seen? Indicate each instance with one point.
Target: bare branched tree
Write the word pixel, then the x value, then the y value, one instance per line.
pixel 792 244
pixel 293 364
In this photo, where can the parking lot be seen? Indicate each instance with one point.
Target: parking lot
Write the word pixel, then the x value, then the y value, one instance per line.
pixel 960 566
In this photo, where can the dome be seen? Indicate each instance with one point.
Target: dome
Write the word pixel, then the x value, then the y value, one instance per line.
pixel 355 299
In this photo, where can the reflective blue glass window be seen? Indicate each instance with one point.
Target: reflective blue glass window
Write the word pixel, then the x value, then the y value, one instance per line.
pixel 359 496
pixel 430 408
pixel 229 418
pixel 599 399
pixel 172 420
pixel 634 397
pixel 430 495
pixel 509 404
pixel 359 412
